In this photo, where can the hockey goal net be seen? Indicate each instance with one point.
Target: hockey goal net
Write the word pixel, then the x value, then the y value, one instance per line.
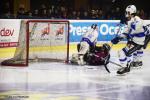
pixel 41 40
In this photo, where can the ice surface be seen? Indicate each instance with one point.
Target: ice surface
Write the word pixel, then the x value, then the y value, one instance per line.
pixel 59 81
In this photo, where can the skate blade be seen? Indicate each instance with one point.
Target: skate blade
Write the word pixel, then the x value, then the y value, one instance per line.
pixel 124 74
pixel 139 67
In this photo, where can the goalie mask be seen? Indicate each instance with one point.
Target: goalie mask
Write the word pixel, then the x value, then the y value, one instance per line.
pixel 94 26
pixel 130 10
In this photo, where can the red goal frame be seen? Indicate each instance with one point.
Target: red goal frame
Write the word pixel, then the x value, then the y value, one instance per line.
pixel 28 41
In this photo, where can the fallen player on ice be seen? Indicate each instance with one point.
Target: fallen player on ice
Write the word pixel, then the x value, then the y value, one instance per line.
pixel 98 55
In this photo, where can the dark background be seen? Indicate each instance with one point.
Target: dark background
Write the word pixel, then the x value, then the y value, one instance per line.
pixel 71 5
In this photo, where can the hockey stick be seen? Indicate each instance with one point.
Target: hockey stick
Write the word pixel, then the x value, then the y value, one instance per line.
pixel 108 56
pixel 106 60
pixel 115 63
pixel 105 63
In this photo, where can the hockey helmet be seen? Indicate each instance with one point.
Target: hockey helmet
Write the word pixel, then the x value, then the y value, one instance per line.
pixel 106 46
pixel 131 9
pixel 94 26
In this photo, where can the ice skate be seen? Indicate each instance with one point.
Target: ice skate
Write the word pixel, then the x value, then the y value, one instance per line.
pixel 136 64
pixel 124 70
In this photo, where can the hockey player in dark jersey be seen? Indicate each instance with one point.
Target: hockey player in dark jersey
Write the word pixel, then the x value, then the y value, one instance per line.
pixel 99 56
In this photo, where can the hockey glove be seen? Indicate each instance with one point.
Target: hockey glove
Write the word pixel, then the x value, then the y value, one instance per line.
pixel 123 20
pixel 116 40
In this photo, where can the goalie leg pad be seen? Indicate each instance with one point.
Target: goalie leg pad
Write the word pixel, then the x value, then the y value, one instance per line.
pixel 81 60
pixel 84 48
pixel 74 58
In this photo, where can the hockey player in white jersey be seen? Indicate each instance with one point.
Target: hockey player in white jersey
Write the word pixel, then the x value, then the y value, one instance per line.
pixel 131 54
pixel 86 44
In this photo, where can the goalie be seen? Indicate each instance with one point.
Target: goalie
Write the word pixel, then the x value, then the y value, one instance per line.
pixel 86 44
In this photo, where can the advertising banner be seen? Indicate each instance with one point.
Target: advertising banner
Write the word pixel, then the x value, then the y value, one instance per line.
pixel 106 29
pixel 46 34
pixel 9 32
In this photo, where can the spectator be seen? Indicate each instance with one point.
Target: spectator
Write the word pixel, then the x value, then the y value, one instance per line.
pixel 73 15
pixel 78 15
pixel 85 15
pixel 43 11
pixel 117 13
pixel 29 14
pixel 49 13
pixel 35 13
pixel 94 14
pixel 62 9
pixel 21 12
pixel 6 13
pixel 100 14
pixel 64 15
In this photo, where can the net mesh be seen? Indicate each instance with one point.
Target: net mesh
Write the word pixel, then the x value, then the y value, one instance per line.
pixel 44 41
